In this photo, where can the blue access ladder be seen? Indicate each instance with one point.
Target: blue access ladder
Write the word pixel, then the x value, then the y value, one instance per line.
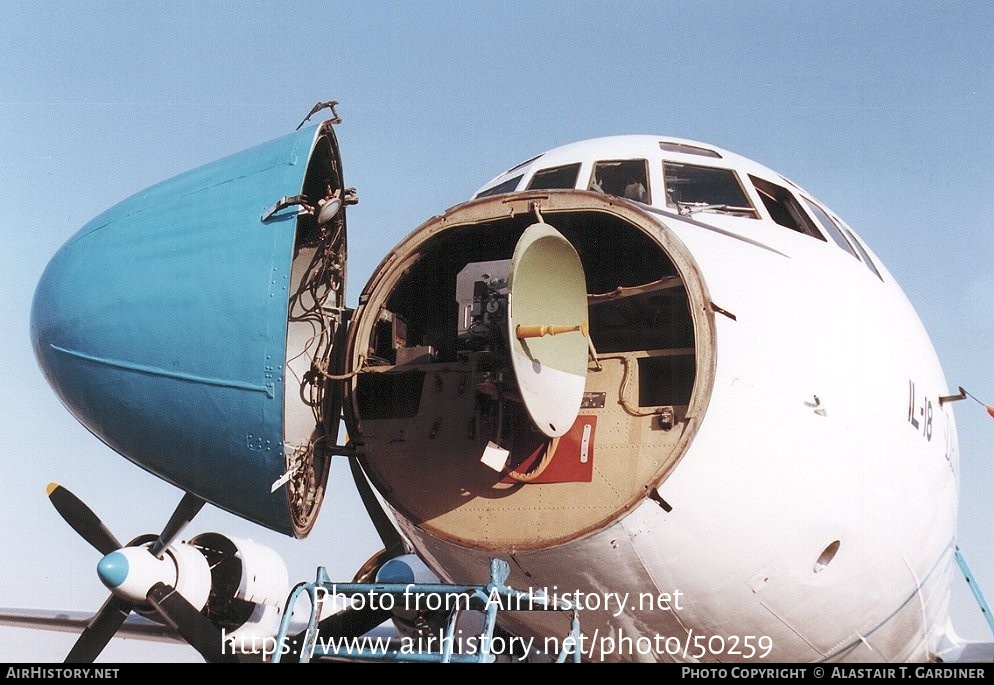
pixel 488 599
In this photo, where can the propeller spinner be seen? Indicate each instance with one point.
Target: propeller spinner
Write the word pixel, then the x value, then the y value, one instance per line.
pixel 143 575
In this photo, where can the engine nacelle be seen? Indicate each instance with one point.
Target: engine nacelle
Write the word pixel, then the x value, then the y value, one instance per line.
pixel 249 586
pixel 239 584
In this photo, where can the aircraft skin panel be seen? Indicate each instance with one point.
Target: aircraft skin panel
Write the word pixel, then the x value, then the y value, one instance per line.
pixel 187 386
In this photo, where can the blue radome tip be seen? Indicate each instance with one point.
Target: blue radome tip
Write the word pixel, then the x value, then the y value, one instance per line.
pixel 395 571
pixel 113 569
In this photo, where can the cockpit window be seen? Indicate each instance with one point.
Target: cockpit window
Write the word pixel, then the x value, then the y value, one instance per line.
pixel 523 164
pixel 784 208
pixel 684 149
pixel 505 187
pixel 628 178
pixel 866 255
pixel 831 228
pixel 691 188
pixel 555 177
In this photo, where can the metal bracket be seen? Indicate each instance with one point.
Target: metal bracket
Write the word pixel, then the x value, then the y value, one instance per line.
pixel 288 201
pixel 666 418
pixel 331 104
pixel 954 398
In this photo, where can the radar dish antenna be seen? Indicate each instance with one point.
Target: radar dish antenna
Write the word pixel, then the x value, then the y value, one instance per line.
pixel 547 327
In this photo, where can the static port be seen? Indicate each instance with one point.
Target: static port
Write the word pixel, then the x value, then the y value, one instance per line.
pixel 826 556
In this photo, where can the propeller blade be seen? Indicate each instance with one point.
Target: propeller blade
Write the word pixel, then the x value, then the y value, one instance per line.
pixel 82 519
pixel 187 508
pixel 195 628
pixel 353 622
pixel 170 604
pixel 345 623
pixel 100 630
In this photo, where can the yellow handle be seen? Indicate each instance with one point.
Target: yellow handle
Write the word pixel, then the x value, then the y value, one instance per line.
pixel 539 330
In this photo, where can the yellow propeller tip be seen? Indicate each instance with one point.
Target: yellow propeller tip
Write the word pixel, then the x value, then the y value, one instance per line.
pixel 50 488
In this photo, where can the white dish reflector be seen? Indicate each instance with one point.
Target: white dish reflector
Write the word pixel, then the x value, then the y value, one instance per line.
pixel 547 327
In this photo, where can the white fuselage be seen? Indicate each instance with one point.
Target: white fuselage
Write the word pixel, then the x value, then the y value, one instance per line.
pixel 812 515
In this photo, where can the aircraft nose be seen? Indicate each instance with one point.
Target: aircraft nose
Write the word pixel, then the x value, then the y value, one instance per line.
pixel 68 323
pixel 98 333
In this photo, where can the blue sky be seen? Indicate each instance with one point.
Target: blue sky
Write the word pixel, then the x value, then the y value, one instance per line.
pixel 884 111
